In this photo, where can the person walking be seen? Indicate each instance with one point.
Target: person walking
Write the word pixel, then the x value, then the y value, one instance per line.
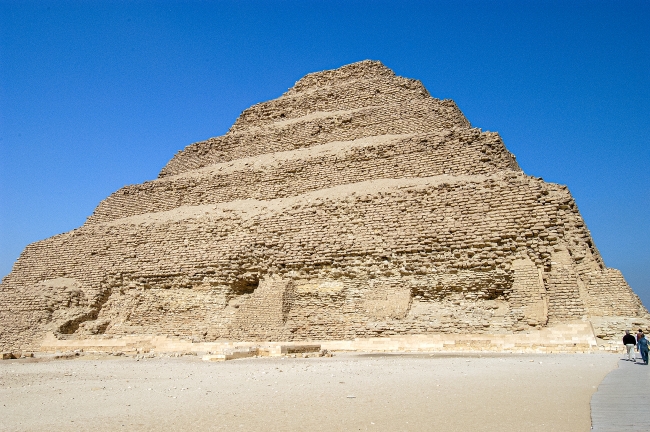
pixel 642 346
pixel 630 342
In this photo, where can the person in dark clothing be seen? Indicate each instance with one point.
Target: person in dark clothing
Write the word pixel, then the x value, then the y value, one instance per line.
pixel 630 342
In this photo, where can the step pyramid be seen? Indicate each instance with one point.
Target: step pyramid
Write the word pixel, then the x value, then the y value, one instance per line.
pixel 353 206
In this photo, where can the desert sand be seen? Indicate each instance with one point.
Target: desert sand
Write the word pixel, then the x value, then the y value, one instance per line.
pixel 348 392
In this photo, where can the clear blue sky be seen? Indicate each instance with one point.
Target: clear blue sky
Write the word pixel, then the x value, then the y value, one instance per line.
pixel 97 95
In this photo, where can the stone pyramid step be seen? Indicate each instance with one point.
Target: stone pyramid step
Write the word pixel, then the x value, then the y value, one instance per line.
pixel 290 173
pixel 311 130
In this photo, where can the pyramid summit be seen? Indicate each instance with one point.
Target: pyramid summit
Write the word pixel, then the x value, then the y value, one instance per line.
pixel 355 210
pixel 356 101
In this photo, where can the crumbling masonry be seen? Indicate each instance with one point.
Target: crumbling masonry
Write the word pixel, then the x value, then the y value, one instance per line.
pixel 353 206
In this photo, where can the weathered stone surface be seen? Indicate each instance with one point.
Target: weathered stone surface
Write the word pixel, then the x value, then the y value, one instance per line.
pixel 353 206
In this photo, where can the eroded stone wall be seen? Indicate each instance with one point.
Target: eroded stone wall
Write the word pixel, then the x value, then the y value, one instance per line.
pixel 291 173
pixel 473 253
pixel 316 129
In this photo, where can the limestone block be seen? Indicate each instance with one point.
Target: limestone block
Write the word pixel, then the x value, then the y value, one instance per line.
pixel 299 348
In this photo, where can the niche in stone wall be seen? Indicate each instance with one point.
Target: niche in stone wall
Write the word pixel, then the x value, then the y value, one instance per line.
pixel 71 304
pixel 383 301
pixel 242 288
pixel 462 286
pixel 450 302
pixel 245 284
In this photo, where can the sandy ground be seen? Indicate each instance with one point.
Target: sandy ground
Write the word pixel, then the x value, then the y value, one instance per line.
pixel 349 392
